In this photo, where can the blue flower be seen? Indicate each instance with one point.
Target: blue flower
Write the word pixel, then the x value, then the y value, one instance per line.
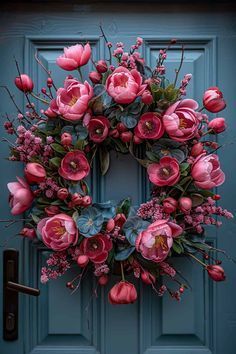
pixel 90 222
pixel 132 227
pixel 107 209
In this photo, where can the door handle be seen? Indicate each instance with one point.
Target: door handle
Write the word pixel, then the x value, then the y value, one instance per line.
pixel 11 288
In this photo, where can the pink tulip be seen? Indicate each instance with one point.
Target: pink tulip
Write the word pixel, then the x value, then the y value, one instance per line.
pixel 213 100
pixel 125 85
pixel 34 172
pixel 95 77
pixel 24 83
pixel 122 293
pixel 72 100
pixel 169 205
pixel 74 166
pixel 216 272
pixel 218 125
pixel 180 120
pixel 185 204
pixel 149 126
pixel 58 232
pixel 74 57
pixel 155 242
pixel 21 196
pixel 206 172
pixel 164 173
pixel 101 66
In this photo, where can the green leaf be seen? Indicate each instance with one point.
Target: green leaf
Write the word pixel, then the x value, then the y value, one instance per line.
pixel 184 166
pixel 177 247
pixel 124 206
pixel 104 158
pixel 58 148
pixel 35 218
pixel 55 161
pixel 197 199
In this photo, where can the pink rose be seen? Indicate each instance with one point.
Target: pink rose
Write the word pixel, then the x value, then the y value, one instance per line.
pixel 74 166
pixel 58 232
pixel 74 57
pixel 34 172
pixel 180 120
pixel 125 85
pixel 21 196
pixel 155 242
pixel 98 128
pixel 206 172
pixel 149 126
pixel 213 100
pixel 217 125
pixel 96 248
pixel 72 100
pixel 24 83
pixel 164 173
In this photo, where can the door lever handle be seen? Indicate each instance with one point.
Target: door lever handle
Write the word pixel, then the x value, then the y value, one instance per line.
pixel 22 288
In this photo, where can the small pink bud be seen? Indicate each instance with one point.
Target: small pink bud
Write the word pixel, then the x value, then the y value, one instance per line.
pixel 170 205
pixel 30 233
pixel 101 66
pixel 147 97
pixel 95 77
pixel 185 204
pixel 147 278
pixel 82 261
pixel 87 200
pixel 24 83
pixel 66 139
pixel 217 125
pixel 103 279
pixel 126 137
pixel 114 133
pixel 77 199
pixel 62 193
pixel 44 91
pixel 197 149
pixel 49 82
pixel 110 225
pixel 52 210
pixel 121 128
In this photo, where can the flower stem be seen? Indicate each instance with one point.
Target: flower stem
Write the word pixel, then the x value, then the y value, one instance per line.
pixel 122 271
pixel 198 260
pixel 80 74
pixel 39 98
pixel 177 71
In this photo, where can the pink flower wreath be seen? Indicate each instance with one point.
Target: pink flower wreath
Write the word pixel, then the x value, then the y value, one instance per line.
pixel 125 105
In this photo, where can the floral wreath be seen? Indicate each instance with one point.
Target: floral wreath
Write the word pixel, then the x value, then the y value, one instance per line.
pixel 125 106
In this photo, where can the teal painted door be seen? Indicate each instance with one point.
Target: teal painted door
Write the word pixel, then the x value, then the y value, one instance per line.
pixel 205 321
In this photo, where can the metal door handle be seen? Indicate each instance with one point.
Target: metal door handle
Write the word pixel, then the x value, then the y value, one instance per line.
pixel 11 288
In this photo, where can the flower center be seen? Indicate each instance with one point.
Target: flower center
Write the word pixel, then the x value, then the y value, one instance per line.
pixel 149 125
pixel 73 165
pixel 160 241
pixel 165 171
pixel 73 100
pixel 98 131
pixel 165 152
pixel 182 124
pixel 95 246
pixel 90 222
pixel 58 230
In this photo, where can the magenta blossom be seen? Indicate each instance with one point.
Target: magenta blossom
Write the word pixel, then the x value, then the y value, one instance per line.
pixel 21 196
pixel 74 57
pixel 181 121
pixel 125 85
pixel 149 126
pixel 58 232
pixel 155 242
pixel 72 100
pixel 98 128
pixel 164 173
pixel 74 166
pixel 206 172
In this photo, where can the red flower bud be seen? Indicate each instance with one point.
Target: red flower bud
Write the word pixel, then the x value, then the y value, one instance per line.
pixel 169 205
pixel 103 279
pixel 114 133
pixel 213 100
pixel 87 200
pixel 77 199
pixel 216 272
pixel 95 77
pixel 147 97
pixel 121 127
pixel 49 82
pixel 82 261
pixel 66 139
pixel 101 66
pixel 126 137
pixel 185 204
pixel 216 197
pixel 147 278
pixel 34 172
pixel 110 225
pixel 120 219
pixel 122 293
pixel 24 83
pixel 62 193
pixel 52 210
pixel 30 233
pixel 197 149
pixel 217 125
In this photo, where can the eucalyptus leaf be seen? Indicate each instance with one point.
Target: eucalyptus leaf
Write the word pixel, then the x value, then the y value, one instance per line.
pixel 122 255
pixel 129 121
pixel 104 158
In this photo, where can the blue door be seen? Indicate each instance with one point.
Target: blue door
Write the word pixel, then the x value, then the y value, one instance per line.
pixel 205 321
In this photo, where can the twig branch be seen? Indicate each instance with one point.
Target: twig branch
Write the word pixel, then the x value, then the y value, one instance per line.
pixel 180 66
pixel 106 40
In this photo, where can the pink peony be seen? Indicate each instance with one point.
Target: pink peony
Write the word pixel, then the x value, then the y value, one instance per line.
pixel 72 100
pixel 206 172
pixel 21 196
pixel 34 172
pixel 74 57
pixel 98 128
pixel 155 242
pixel 180 120
pixel 58 232
pixel 213 100
pixel 122 293
pixel 164 173
pixel 149 126
pixel 125 85
pixel 96 248
pixel 217 125
pixel 74 166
